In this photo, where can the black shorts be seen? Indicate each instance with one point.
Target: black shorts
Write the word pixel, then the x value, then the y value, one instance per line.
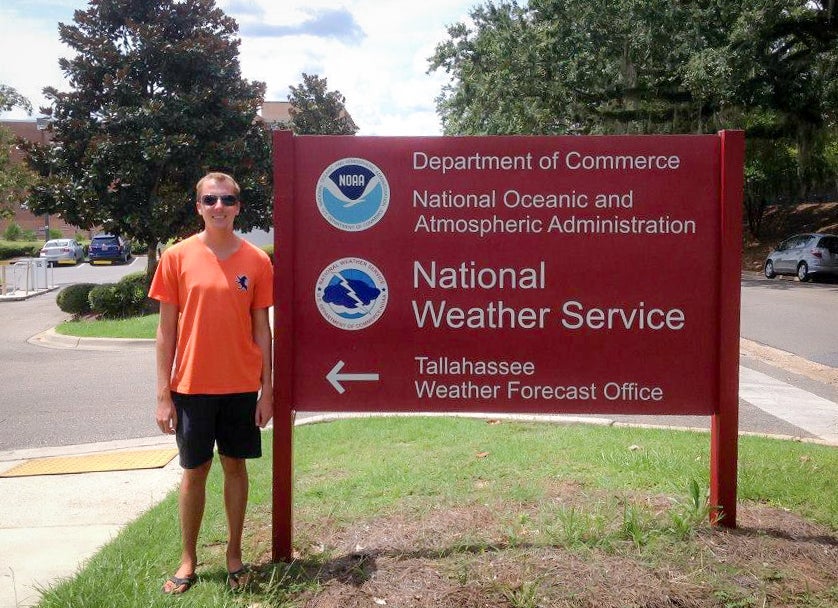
pixel 204 420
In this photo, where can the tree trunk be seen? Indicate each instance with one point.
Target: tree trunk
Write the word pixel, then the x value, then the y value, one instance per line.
pixel 152 261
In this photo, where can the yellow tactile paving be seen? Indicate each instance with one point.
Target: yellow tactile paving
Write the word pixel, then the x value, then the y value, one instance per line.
pixel 113 461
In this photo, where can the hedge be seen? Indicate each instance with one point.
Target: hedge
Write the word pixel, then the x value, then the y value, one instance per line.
pixel 127 298
pixel 74 299
pixel 19 249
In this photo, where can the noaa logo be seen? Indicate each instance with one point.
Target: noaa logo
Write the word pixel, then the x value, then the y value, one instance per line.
pixel 352 194
pixel 351 293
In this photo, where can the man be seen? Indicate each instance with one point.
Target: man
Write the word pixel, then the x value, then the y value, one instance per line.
pixel 214 380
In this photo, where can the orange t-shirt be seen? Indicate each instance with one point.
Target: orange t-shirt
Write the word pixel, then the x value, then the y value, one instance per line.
pixel 216 353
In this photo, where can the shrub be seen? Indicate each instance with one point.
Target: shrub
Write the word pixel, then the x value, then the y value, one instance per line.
pixel 73 299
pixel 139 278
pixel 11 249
pixel 124 299
pixel 105 301
pixel 13 232
pixel 269 249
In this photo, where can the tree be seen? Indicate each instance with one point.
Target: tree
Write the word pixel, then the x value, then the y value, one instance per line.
pixel 655 66
pixel 157 101
pixel 10 98
pixel 317 111
pixel 568 66
pixel 15 177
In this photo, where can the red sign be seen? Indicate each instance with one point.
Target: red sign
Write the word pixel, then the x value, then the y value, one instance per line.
pixel 508 274
pixel 502 274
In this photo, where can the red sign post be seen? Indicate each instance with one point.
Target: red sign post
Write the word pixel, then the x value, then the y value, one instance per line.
pixel 508 274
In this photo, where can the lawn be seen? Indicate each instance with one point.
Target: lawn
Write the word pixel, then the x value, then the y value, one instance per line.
pixel 403 511
pixel 132 327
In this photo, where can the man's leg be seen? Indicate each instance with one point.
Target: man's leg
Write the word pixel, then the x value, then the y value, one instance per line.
pixel 191 503
pixel 235 503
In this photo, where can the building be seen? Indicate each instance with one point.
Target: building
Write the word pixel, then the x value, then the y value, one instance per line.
pixel 34 131
pixel 276 113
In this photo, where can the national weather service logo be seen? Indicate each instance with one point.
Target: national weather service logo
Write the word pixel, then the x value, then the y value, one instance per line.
pixel 351 293
pixel 352 194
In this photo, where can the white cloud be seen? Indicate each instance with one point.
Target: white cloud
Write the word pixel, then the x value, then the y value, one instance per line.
pixel 373 51
pixel 30 49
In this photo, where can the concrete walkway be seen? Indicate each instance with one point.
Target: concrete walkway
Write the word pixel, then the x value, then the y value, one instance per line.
pixel 52 524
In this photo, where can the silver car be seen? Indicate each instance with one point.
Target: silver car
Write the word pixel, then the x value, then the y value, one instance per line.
pixel 804 255
pixel 62 251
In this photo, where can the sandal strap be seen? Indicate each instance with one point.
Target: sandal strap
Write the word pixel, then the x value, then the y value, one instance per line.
pixel 178 581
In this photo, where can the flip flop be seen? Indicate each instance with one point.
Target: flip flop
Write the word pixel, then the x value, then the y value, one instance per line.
pixel 239 579
pixel 177 583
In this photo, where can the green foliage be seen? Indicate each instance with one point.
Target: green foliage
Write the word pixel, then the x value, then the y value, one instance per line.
pixel 105 301
pixel 770 177
pixel 139 280
pixel 13 232
pixel 686 516
pixel 127 298
pixel 269 249
pixel 523 595
pixel 10 98
pixel 317 111
pixel 157 101
pixel 575 67
pixel 74 299
pixel 19 249
pixel 15 177
pixel 144 327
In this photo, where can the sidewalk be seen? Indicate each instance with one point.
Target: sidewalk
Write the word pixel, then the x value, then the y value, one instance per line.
pixel 51 524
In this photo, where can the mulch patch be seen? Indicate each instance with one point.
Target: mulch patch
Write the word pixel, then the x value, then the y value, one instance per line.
pixel 464 558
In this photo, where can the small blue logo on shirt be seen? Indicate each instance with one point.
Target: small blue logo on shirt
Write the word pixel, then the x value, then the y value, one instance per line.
pixel 241 281
pixel 352 194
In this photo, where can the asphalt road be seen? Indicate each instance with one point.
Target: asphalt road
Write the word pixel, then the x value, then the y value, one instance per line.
pixel 54 397
pixel 801 318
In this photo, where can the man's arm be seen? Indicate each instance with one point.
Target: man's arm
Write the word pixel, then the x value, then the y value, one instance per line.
pixel 166 342
pixel 262 337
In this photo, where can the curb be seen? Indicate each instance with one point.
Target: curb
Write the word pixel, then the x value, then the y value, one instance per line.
pixel 51 339
pixel 550 419
pixel 9 457
pixel 18 297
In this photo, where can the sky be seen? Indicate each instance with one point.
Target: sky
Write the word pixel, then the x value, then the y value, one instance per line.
pixel 375 52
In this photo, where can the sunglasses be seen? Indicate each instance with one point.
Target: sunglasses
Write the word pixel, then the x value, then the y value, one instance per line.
pixel 228 200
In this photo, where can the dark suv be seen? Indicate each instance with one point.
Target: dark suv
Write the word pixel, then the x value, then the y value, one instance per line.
pixel 109 248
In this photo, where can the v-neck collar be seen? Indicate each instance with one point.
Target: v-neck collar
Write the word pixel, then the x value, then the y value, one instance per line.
pixel 239 245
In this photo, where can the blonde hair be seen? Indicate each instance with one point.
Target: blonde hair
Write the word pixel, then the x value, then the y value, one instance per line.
pixel 217 177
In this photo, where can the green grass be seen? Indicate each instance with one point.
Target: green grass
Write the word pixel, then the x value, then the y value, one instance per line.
pixel 133 327
pixel 353 471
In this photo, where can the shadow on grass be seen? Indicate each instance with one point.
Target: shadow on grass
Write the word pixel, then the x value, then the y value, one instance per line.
pixel 830 542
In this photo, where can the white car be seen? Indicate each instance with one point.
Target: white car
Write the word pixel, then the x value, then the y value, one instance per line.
pixel 62 251
pixel 804 255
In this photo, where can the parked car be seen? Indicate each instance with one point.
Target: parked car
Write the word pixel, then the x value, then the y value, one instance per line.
pixel 804 255
pixel 62 251
pixel 108 248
